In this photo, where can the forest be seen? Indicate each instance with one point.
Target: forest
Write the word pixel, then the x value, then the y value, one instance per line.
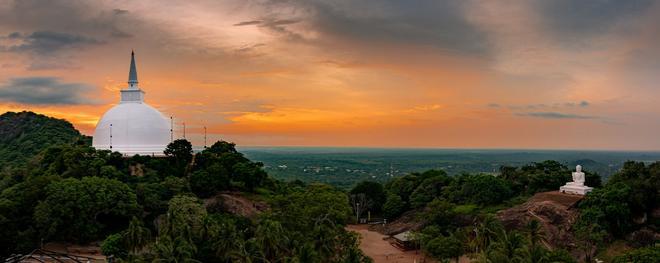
pixel 458 213
pixel 151 209
pixel 74 193
pixel 162 209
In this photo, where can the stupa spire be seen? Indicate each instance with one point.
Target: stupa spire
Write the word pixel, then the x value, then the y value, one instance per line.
pixel 133 93
pixel 132 73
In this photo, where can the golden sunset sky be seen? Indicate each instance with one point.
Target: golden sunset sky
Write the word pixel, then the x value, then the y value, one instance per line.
pixel 376 73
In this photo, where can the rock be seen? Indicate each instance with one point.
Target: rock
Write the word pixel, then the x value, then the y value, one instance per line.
pixel 554 210
pixel 643 237
pixel 235 203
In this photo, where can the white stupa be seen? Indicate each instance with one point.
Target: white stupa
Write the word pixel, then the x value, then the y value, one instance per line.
pixel 577 186
pixel 132 126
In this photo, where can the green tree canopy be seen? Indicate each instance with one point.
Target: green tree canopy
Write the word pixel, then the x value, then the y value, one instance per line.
pixel 82 209
pixel 374 193
pixel 393 206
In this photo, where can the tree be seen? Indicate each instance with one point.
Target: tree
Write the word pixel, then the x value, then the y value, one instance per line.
pixel 487 231
pixel 507 248
pixel 359 202
pixel 373 192
pixel 429 189
pixel 439 212
pixel 180 153
pixel 180 149
pixel 221 147
pixel 535 235
pixel 403 186
pixel 208 181
pixel 559 256
pixel 589 236
pixel 81 209
pixel 608 207
pixel 272 239
pixel 640 255
pixel 185 218
pixel 482 189
pixel 546 176
pixel 393 206
pixel 136 236
pixel 250 174
pixel 113 245
pixel 445 248
pixel 534 232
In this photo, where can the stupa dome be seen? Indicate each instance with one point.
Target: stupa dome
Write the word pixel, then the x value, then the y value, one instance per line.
pixel 132 126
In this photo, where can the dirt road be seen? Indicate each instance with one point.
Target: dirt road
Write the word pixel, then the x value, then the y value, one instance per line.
pixel 373 245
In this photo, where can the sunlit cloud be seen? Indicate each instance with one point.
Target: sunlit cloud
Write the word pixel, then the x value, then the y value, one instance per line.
pixel 346 73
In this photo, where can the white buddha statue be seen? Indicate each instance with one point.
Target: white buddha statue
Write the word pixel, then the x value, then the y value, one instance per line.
pixel 578 176
pixel 577 186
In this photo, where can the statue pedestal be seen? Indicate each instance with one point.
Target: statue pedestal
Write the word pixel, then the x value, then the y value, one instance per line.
pixel 575 189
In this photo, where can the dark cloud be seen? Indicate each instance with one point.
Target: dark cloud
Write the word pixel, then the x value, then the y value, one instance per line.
pixel 493 105
pixel 556 115
pixel 120 34
pixel 248 23
pixel 14 35
pixel 119 11
pixel 249 48
pixel 279 22
pixel 49 33
pixel 44 42
pixel 79 18
pixel 441 24
pixel 43 91
pixel 270 23
pixel 578 19
pixel 584 103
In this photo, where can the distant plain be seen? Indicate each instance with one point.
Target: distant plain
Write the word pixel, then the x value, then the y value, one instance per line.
pixel 343 167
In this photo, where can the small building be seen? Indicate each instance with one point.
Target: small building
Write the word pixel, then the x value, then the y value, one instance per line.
pixel 404 241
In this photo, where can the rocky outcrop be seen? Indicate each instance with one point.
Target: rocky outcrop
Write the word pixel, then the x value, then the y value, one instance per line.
pixel 235 203
pixel 554 210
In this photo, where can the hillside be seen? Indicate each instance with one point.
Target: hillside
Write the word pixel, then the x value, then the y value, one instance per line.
pixel 556 213
pixel 24 134
pixel 222 207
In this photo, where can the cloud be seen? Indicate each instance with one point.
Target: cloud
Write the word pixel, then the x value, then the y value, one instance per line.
pixel 556 115
pixel 584 103
pixel 14 35
pixel 440 24
pixel 118 11
pixel 279 22
pixel 248 23
pixel 493 105
pixel 44 42
pixel 43 91
pixel 82 20
pixel 579 19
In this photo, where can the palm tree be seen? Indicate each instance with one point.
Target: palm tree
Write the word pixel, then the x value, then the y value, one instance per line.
pixel 535 252
pixel 486 232
pixel 535 232
pixel 271 239
pixel 508 248
pixel 178 250
pixel 137 236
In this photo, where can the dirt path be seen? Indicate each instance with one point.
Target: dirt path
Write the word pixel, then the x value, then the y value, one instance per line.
pixel 373 245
